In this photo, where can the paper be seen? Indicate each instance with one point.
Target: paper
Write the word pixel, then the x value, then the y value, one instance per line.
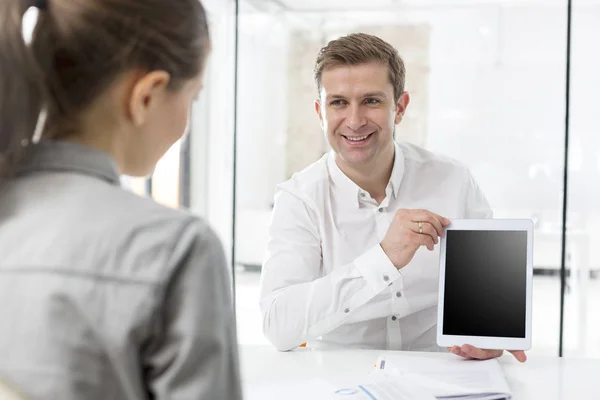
pixel 398 377
pixel 369 387
pixel 448 378
pixel 384 389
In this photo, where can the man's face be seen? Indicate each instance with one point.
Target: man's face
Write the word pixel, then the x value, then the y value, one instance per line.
pixel 358 112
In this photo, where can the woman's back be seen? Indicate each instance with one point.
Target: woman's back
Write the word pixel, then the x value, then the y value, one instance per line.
pixel 103 294
pixel 106 295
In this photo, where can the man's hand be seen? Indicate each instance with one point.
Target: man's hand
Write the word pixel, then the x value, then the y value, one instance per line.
pixel 473 353
pixel 409 230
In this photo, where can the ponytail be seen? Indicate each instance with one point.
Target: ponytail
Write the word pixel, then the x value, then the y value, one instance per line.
pixel 72 50
pixel 22 93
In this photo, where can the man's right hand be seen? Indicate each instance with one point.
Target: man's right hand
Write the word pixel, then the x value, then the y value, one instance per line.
pixel 411 229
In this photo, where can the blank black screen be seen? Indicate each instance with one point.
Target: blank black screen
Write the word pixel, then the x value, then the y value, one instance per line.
pixel 486 281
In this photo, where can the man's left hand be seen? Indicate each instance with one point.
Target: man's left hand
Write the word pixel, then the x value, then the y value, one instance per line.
pixel 474 353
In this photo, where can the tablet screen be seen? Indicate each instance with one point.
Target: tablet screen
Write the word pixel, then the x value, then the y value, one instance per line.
pixel 485 283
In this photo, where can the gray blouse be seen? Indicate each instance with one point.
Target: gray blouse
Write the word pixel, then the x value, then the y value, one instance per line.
pixel 107 295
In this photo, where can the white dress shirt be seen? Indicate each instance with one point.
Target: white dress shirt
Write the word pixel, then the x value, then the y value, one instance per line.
pixel 326 281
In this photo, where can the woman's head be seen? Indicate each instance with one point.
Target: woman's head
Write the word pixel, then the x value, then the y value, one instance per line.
pixel 117 74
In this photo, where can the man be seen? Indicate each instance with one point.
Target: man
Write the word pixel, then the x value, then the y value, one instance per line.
pixel 352 257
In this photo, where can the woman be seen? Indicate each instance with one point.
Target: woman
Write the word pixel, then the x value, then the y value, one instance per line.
pixel 103 294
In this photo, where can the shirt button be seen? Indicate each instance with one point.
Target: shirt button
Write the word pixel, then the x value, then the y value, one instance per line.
pixel 347 310
pixel 398 294
pixel 380 210
pixel 394 318
pixel 386 278
pixel 362 194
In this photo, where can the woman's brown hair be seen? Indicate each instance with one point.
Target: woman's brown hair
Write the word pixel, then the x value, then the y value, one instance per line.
pixel 79 48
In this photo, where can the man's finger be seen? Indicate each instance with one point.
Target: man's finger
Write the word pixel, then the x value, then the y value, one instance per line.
pixel 456 350
pixel 424 240
pixel 443 220
pixel 519 355
pixel 426 216
pixel 480 354
pixel 464 355
pixel 426 229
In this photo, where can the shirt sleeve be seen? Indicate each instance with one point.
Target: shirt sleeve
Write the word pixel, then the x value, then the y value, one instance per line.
pixel 476 204
pixel 195 356
pixel 297 302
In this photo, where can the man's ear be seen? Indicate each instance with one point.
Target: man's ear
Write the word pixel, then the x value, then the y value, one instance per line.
pixel 147 91
pixel 319 111
pixel 401 107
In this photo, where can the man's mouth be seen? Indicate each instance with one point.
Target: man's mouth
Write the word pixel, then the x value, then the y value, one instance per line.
pixel 357 139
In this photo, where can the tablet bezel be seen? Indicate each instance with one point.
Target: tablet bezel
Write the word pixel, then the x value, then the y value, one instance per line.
pixel 485 342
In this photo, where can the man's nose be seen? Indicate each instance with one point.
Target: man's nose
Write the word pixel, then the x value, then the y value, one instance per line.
pixel 355 117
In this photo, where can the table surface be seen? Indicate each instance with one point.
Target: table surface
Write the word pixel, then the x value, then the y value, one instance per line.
pixel 548 378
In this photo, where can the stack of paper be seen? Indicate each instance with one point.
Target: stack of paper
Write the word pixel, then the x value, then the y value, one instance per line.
pixel 444 378
pixel 398 377
pixel 370 387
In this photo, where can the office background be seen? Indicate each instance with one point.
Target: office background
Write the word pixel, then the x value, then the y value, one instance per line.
pixel 489 87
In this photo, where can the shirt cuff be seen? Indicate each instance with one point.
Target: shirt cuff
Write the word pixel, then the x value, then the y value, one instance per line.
pixel 377 269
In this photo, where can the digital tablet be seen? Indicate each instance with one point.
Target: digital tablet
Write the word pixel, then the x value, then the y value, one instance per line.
pixel 486 274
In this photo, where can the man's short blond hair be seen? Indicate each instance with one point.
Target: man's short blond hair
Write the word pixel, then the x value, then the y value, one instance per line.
pixel 361 48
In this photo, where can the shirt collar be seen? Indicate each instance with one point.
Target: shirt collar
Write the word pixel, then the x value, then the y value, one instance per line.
pixel 351 190
pixel 62 156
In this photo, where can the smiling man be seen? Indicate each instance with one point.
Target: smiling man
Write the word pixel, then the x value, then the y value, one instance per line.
pixel 352 258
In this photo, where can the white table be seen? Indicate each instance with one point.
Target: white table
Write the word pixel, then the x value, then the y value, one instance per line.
pixel 547 378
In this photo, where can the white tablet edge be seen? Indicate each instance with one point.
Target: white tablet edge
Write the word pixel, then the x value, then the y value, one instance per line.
pixel 485 342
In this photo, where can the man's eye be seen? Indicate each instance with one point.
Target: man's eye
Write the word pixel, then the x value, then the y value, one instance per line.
pixel 337 102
